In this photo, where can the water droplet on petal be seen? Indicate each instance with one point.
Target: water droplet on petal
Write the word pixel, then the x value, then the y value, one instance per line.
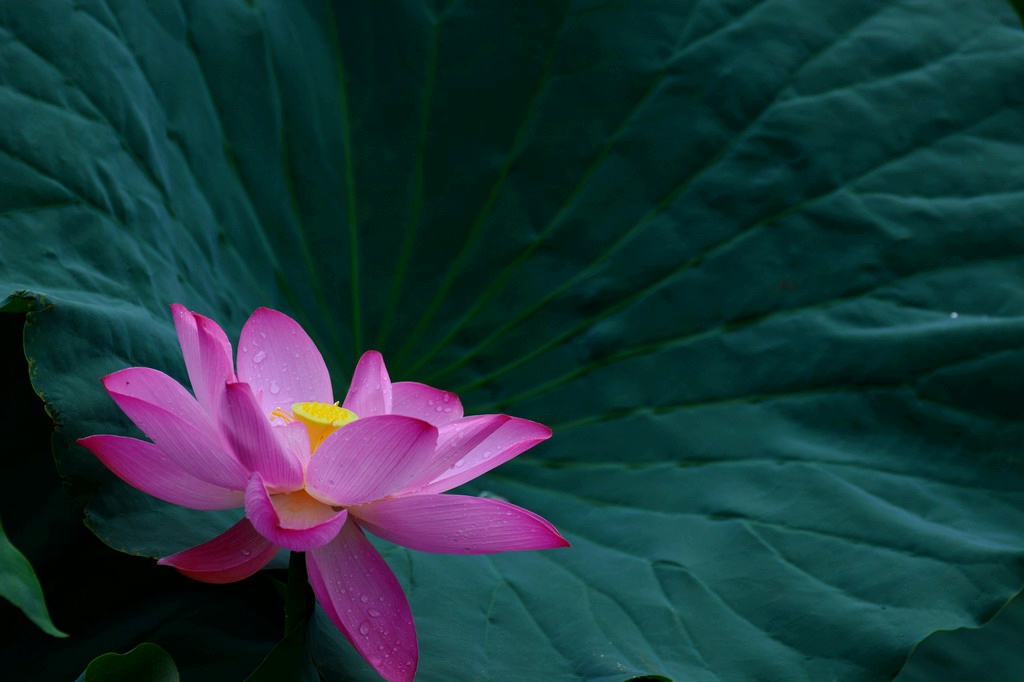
pixel 364 628
pixel 246 552
pixel 364 599
pixel 260 357
pixel 374 613
pixel 274 388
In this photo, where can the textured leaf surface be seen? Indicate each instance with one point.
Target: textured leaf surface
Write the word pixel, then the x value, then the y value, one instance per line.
pixel 989 653
pixel 758 263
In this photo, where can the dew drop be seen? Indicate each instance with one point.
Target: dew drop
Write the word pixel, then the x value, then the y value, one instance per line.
pixel 364 628
pixel 274 388
pixel 246 552
pixel 260 357
pixel 459 463
pixel 447 397
pixel 438 408
pixel 954 315
pixel 376 660
pixel 374 613
pixel 364 599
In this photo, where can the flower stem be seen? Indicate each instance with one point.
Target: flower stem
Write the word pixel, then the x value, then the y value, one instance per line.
pixel 296 605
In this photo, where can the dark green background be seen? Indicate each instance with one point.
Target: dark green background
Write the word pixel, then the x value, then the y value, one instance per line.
pixel 759 264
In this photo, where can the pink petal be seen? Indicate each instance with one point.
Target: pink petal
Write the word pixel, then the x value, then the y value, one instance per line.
pixel 146 467
pixel 361 596
pixel 370 458
pixel 295 521
pixel 153 386
pixel 281 363
pixel 254 440
pixel 192 447
pixel 207 353
pixel 457 524
pixel 236 553
pixel 512 438
pixel 425 402
pixel 369 394
pixel 295 439
pixel 454 442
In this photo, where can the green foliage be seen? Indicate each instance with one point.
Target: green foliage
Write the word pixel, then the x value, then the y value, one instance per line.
pixel 992 652
pixel 145 663
pixel 19 585
pixel 758 263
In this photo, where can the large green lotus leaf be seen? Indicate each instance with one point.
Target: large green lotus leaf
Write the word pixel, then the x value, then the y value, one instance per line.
pixel 758 263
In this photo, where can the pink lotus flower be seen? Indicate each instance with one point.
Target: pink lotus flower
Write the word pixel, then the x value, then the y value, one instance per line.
pixel 312 475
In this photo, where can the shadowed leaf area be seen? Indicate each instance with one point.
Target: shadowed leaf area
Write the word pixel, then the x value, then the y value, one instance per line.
pixel 757 262
pixel 145 663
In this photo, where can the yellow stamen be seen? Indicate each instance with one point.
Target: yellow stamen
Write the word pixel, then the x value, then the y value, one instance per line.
pixel 281 414
pixel 321 420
